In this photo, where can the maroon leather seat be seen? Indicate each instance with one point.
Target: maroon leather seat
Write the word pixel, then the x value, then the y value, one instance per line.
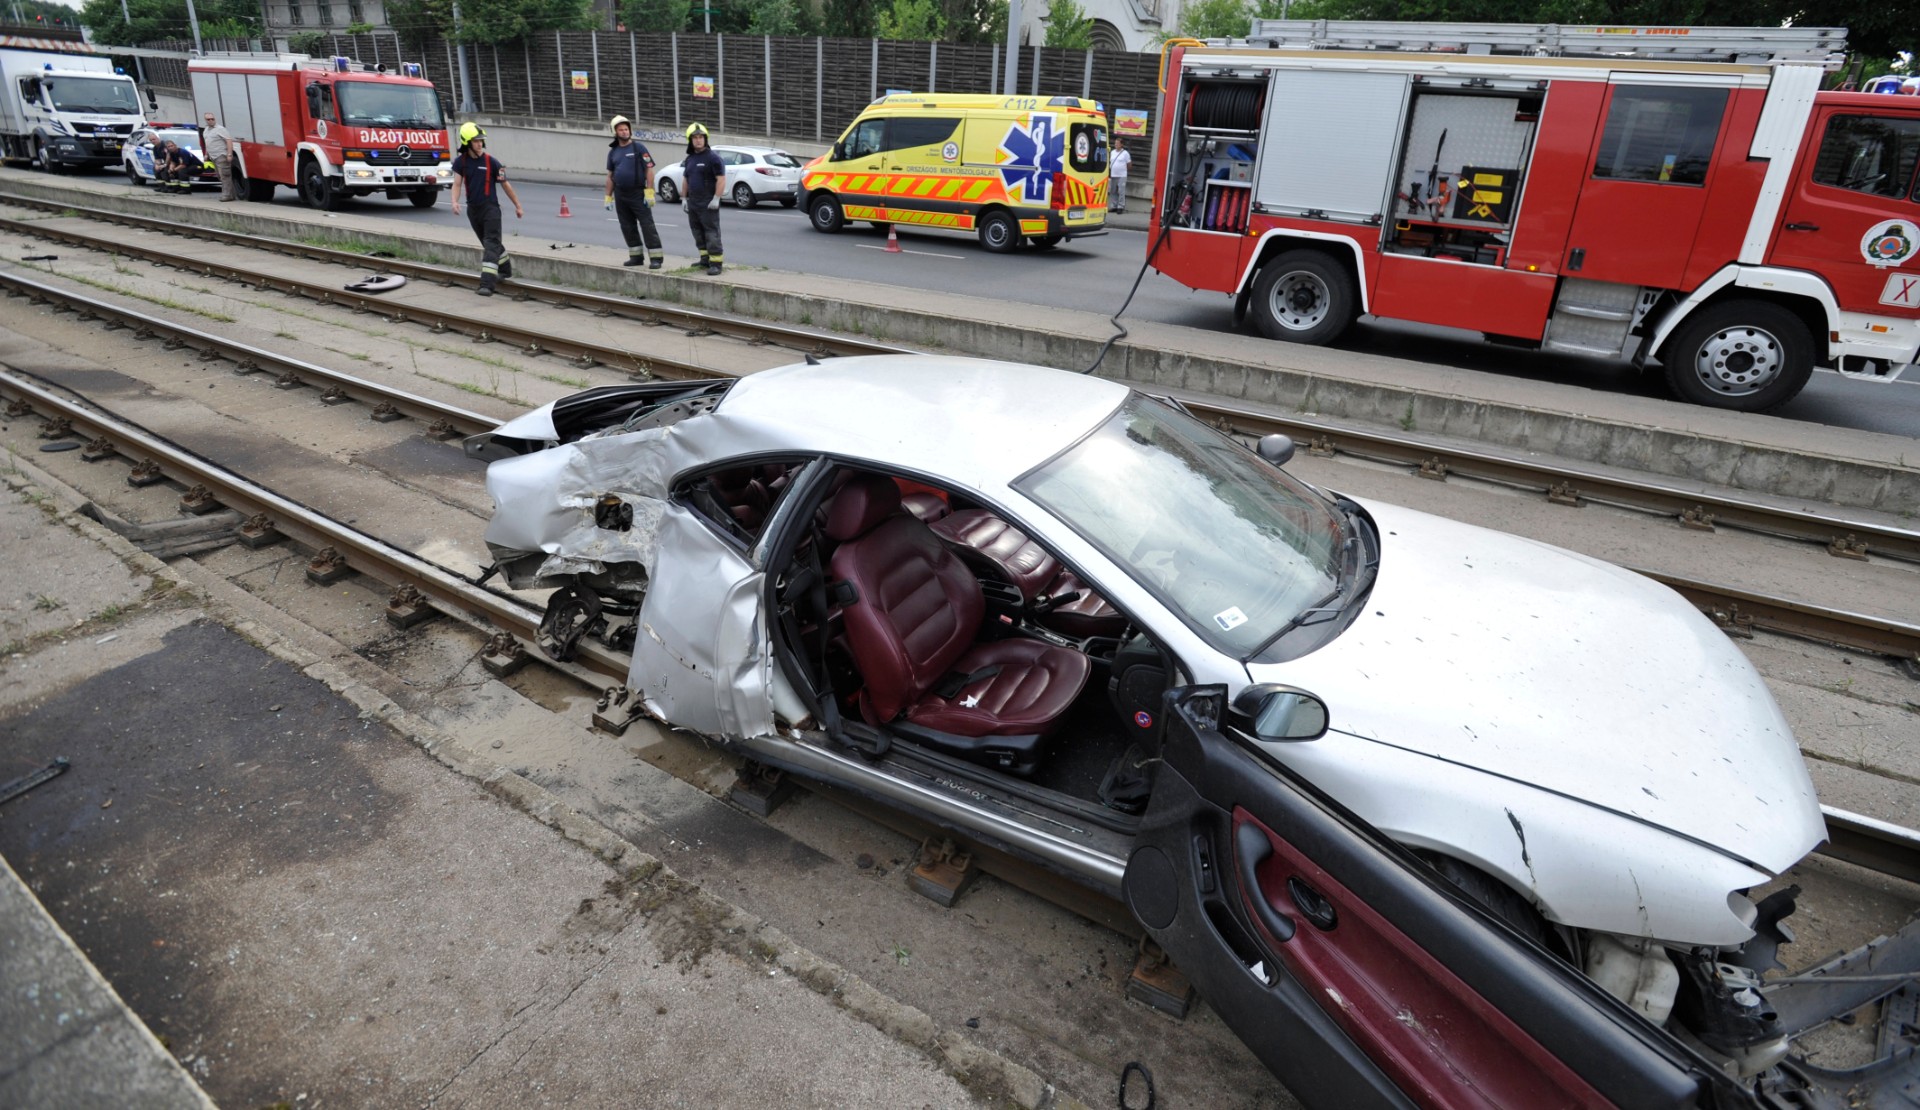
pixel 911 626
pixel 983 537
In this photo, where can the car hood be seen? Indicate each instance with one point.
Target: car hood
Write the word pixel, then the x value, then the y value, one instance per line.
pixel 1567 674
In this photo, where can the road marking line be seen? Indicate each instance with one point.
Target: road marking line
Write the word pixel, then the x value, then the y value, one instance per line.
pixel 904 250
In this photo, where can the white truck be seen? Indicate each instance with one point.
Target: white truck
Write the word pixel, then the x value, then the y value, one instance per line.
pixel 62 105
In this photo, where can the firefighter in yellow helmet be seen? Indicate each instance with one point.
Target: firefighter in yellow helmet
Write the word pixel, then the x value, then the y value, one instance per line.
pixel 705 175
pixel 630 193
pixel 480 177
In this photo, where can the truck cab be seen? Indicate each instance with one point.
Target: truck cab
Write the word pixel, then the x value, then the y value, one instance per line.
pixel 63 107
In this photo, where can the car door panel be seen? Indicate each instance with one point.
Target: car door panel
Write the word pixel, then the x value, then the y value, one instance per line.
pixel 1357 979
pixel 700 653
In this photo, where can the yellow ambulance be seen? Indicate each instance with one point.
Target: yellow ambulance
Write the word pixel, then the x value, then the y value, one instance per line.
pixel 1004 167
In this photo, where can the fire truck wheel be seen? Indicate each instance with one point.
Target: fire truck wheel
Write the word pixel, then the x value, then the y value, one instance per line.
pixel 423 198
pixel 825 214
pixel 1745 355
pixel 998 232
pixel 315 189
pixel 1303 297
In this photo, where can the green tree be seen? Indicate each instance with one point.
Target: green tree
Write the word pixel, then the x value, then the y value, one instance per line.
pixel 909 21
pixel 1215 19
pixel 167 19
pixel 974 20
pixel 493 21
pixel 847 19
pixel 418 22
pixel 1068 26
pixel 657 16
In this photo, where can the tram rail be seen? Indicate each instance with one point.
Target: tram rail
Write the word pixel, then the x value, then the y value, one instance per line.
pixel 1843 534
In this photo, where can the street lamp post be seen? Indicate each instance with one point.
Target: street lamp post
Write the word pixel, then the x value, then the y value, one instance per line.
pixel 1013 47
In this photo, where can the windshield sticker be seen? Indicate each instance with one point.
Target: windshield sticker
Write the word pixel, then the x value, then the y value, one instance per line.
pixel 1230 618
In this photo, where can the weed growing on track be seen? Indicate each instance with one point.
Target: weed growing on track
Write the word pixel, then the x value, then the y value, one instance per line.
pixel 163 302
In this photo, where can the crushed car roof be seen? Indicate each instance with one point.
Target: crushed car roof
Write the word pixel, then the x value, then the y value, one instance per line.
pixel 975 420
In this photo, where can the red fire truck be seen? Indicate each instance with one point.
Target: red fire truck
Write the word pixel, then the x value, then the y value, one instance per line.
pixel 330 128
pixel 1680 194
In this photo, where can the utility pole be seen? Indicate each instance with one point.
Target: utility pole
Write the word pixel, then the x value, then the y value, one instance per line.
pixel 194 22
pixel 139 71
pixel 1013 47
pixel 466 88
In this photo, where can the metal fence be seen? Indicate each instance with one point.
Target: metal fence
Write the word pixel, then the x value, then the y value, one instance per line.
pixel 783 88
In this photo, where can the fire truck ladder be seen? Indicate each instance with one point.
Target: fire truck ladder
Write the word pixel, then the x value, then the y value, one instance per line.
pixel 1754 45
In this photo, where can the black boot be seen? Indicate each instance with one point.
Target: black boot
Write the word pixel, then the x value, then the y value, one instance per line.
pixel 506 268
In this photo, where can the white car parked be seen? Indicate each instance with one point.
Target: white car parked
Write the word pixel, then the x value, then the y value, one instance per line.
pixel 754 174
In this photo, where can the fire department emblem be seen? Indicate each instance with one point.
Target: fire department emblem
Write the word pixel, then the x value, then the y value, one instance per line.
pixel 1888 243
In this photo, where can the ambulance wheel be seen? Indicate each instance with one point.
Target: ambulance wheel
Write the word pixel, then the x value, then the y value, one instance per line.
pixel 665 192
pixel 825 214
pixel 998 232
pixel 1303 297
pixel 743 196
pixel 423 198
pixel 1045 242
pixel 789 202
pixel 1749 356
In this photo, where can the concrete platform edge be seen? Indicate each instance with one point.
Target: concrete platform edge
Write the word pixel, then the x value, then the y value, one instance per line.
pixel 987 1074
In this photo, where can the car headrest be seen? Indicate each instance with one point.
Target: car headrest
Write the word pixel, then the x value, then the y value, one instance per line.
pixel 860 506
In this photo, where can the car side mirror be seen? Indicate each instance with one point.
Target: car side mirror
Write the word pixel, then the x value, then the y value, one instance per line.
pixel 1276 448
pixel 839 152
pixel 153 100
pixel 1271 711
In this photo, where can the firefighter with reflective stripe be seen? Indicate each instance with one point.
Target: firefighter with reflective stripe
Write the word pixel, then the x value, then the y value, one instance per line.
pixel 480 176
pixel 630 193
pixel 704 174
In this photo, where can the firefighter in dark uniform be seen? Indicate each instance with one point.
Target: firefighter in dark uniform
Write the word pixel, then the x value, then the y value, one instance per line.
pixel 630 194
pixel 481 177
pixel 705 175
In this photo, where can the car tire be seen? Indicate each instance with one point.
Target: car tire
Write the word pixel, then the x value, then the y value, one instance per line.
pixel 998 233
pixel 43 158
pixel 789 202
pixel 825 215
pixel 743 196
pixel 259 192
pixel 423 198
pixel 133 175
pixel 1303 296
pixel 1045 242
pixel 315 189
pixel 1744 355
pixel 665 191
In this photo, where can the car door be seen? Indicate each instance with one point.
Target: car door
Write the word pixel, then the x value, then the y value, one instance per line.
pixel 1354 973
pixel 921 189
pixel 1853 213
pixel 863 188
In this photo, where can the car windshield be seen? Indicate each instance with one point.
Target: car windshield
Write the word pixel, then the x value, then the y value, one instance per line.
pixel 783 159
pixel 378 104
pixel 94 94
pixel 1230 543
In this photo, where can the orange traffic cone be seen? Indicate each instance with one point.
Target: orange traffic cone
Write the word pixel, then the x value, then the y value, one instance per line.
pixel 565 212
pixel 893 240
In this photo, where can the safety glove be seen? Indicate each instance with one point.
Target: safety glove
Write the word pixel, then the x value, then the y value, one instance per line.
pixel 648 194
pixel 609 205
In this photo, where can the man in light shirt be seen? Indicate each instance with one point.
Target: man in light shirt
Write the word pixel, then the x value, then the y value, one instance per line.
pixel 217 144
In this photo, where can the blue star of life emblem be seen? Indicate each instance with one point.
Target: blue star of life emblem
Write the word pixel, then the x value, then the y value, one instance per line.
pixel 1036 158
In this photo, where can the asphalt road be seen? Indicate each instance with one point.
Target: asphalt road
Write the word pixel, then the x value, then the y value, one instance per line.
pixel 1094 275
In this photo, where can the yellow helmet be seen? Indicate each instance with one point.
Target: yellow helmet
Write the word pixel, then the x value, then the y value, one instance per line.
pixel 614 123
pixel 471 131
pixel 695 129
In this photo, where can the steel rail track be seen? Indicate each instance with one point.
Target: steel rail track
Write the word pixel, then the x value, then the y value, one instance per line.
pixel 1850 537
pixel 637 308
pixel 1842 535
pixel 1880 846
pixel 1738 612
pixel 443 421
pixel 533 341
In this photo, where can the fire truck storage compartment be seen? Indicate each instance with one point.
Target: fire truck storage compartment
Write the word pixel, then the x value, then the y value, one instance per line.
pixel 1465 160
pixel 247 104
pixel 1328 139
pixel 1214 154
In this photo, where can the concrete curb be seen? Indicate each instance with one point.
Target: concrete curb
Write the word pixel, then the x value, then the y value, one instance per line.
pixel 987 1074
pixel 1834 468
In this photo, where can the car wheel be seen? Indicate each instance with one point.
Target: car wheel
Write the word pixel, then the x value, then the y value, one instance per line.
pixel 789 202
pixel 1046 242
pixel 259 192
pixel 825 215
pixel 133 175
pixel 315 189
pixel 665 191
pixel 1303 297
pixel 998 232
pixel 423 198
pixel 43 158
pixel 1749 356
pixel 743 195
